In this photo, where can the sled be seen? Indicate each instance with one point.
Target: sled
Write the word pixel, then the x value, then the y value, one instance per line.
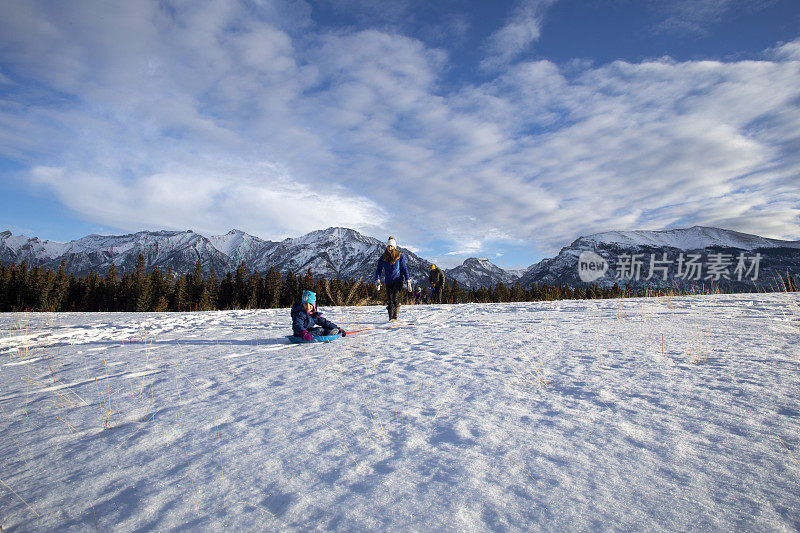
pixel 319 338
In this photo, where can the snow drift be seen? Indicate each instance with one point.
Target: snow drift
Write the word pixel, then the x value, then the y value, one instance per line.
pixel 636 414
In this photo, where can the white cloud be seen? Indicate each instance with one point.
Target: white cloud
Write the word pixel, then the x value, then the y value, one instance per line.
pixel 226 117
pixel 693 16
pixel 468 249
pixel 644 140
pixel 513 39
pixel 787 51
pixel 209 200
pixel 696 18
pixel 522 29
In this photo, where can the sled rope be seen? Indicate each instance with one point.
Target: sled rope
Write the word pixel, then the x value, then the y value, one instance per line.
pixel 376 329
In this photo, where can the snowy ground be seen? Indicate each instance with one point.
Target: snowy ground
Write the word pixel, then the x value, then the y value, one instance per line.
pixel 640 414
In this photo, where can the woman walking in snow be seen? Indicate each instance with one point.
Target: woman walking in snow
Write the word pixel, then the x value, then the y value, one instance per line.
pixel 395 274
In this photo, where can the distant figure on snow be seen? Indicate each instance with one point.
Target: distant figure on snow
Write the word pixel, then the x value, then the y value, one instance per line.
pixel 308 322
pixel 395 274
pixel 418 296
pixel 436 277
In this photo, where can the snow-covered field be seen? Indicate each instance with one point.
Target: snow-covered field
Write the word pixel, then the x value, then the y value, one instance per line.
pixel 639 414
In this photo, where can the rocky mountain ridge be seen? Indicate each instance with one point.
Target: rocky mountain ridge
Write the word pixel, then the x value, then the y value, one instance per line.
pixel 679 258
pixel 693 258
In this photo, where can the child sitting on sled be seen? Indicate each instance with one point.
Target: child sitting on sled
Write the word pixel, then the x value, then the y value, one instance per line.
pixel 308 322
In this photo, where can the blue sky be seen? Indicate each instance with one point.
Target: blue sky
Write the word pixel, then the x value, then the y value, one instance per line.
pixel 495 129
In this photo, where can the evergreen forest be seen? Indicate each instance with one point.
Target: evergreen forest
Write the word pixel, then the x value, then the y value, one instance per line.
pixel 142 290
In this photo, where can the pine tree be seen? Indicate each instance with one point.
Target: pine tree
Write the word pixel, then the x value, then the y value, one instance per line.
pixel 360 294
pixel 457 294
pixel 501 293
pixel 253 290
pixel 291 291
pixel 126 296
pixel 5 288
pixel 92 297
pixel 110 293
pixel 180 297
pixel 75 292
pixel 159 290
pixel 208 297
pixel 40 290
pixel 212 290
pixel 325 292
pixel 272 288
pixel 482 295
pixel 307 281
pixel 58 290
pixel 225 297
pixel 195 286
pixel 518 293
pixel 141 287
pixel 241 290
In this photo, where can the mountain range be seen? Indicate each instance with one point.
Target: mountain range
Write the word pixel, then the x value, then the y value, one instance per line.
pixel 679 258
pixel 696 257
pixel 332 252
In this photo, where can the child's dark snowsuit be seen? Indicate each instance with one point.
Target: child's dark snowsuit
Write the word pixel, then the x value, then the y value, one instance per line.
pixel 303 321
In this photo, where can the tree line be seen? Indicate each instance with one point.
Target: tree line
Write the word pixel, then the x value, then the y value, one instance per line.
pixel 39 289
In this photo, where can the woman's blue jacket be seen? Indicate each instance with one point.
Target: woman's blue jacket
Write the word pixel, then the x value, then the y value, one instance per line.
pixel 392 272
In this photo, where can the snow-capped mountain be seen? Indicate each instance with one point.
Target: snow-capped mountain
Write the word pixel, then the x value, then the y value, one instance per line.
pixel 332 252
pixel 18 248
pixel 238 246
pixel 480 272
pixel 695 257
pixel 163 249
pixel 694 238
pixel 517 272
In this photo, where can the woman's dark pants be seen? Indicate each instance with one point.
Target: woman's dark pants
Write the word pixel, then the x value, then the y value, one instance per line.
pixel 393 291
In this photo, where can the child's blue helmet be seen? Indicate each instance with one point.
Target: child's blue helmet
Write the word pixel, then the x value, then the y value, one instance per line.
pixel 309 297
